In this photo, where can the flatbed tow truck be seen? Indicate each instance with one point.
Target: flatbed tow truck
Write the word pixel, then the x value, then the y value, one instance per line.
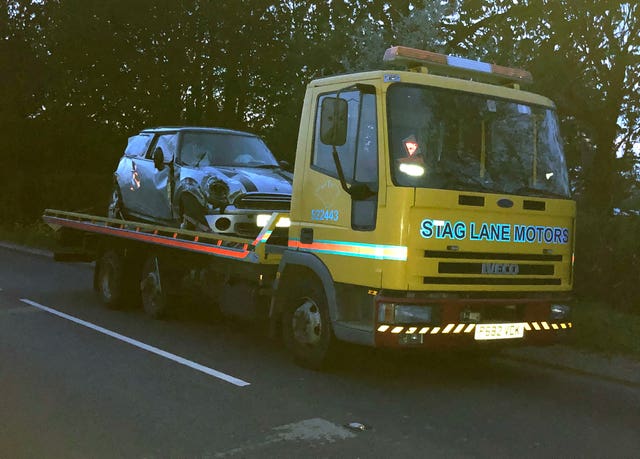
pixel 430 209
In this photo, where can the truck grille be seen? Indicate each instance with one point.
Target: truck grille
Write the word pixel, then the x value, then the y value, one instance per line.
pixel 486 268
pixel 264 201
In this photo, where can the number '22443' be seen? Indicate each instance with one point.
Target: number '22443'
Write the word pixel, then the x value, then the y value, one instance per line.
pixel 325 214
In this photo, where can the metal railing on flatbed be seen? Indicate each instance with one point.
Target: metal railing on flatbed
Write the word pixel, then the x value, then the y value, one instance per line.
pixel 251 250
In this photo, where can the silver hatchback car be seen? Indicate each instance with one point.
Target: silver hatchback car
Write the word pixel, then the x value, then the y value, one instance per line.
pixel 207 179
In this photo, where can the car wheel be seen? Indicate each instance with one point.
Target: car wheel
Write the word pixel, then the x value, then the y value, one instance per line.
pixel 115 209
pixel 306 324
pixel 154 297
pixel 192 214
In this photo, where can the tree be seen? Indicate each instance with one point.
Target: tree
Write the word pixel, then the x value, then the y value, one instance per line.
pixel 585 55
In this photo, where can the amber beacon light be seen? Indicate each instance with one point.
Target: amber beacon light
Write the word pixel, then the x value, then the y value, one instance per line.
pixel 457 66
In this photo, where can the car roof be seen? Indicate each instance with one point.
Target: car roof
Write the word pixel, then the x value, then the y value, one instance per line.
pixel 214 130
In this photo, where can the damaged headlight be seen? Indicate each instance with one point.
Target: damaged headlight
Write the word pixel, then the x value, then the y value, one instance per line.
pixel 216 191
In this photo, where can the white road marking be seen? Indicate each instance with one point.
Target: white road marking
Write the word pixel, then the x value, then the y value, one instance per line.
pixel 146 347
pixel 315 430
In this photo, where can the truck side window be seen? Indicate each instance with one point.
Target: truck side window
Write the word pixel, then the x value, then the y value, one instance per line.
pixel 359 154
pixel 366 169
pixel 138 145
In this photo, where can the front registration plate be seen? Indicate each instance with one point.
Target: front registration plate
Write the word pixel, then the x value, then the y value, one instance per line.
pixel 499 331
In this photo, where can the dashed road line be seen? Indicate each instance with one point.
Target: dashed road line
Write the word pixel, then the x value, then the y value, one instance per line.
pixel 167 355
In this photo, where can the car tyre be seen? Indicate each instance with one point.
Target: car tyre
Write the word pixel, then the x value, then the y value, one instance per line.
pixel 116 208
pixel 192 214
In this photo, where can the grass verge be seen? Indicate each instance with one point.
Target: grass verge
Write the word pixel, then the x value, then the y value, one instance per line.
pixel 38 235
pixel 599 327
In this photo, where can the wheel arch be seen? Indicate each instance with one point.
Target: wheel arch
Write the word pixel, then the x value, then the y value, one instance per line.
pixel 295 265
pixel 186 186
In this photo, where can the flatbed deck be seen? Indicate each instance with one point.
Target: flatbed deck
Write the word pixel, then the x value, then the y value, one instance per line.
pixel 257 251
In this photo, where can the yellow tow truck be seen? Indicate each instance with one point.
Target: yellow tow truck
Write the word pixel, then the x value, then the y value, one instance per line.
pixel 430 209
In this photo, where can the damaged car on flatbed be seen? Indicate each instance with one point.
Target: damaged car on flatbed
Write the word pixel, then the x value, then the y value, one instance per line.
pixel 207 179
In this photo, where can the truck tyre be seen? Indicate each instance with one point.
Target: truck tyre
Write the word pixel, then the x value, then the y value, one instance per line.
pixel 110 282
pixel 154 297
pixel 306 324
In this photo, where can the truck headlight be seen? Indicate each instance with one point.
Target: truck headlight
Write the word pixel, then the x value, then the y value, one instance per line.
pixel 559 311
pixel 404 313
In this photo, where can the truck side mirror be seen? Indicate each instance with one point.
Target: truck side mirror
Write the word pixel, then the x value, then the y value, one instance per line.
pixel 158 159
pixel 333 121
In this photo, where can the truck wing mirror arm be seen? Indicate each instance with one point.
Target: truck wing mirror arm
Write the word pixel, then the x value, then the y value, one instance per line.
pixel 358 191
pixel 336 160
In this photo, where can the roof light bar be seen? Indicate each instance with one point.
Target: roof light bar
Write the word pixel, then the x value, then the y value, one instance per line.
pixel 456 66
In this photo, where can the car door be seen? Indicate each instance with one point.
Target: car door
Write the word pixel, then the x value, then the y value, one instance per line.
pixel 127 176
pixel 156 184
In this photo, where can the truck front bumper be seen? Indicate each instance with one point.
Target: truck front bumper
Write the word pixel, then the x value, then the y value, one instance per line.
pixel 468 323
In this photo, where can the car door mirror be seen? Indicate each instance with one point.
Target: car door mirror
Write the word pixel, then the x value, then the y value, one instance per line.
pixel 285 165
pixel 158 159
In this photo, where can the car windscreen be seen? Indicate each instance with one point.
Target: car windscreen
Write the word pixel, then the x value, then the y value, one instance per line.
pixel 447 139
pixel 200 149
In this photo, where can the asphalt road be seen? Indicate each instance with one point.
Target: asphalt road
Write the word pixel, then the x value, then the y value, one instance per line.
pixel 80 381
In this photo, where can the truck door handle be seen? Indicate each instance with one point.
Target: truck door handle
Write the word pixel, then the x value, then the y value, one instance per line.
pixel 306 235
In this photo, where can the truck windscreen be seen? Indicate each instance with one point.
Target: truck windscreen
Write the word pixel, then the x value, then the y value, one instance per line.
pixel 446 139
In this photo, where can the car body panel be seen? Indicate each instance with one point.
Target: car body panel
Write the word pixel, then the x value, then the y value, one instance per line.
pixel 153 198
pixel 249 171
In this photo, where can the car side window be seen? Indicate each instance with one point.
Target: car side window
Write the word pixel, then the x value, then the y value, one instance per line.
pixel 138 145
pixel 168 143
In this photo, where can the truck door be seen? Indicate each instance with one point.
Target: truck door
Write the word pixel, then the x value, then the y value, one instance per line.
pixel 334 223
pixel 326 201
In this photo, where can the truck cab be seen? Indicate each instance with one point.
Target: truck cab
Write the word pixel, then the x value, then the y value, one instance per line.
pixel 436 201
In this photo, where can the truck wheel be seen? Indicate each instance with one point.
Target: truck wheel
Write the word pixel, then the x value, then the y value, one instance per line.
pixel 306 325
pixel 109 279
pixel 154 297
pixel 115 209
